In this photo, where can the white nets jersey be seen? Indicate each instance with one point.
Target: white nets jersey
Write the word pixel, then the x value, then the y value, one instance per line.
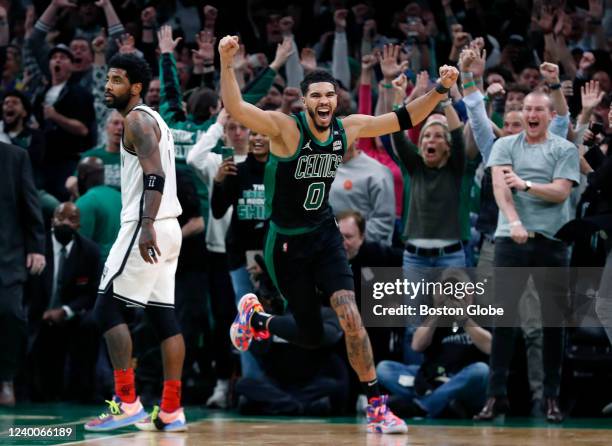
pixel 132 176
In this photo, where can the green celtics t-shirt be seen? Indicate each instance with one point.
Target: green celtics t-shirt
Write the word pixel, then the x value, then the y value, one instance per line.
pixel 100 209
pixel 112 165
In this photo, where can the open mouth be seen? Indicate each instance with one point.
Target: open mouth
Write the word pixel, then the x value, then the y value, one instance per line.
pixel 57 68
pixel 533 124
pixel 258 145
pixel 78 60
pixel 430 151
pixel 323 113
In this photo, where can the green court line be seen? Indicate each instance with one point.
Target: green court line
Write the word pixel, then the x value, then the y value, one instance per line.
pixel 46 415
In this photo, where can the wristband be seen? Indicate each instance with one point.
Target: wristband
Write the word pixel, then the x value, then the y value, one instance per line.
pixel 68 311
pixel 446 102
pixel 404 118
pixel 148 218
pixel 467 75
pixel 154 182
pixel 554 86
pixel 515 223
pixel 469 84
pixel 441 88
pixel 387 85
pixel 208 69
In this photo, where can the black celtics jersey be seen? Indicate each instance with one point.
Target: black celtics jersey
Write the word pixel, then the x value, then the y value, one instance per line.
pixel 297 187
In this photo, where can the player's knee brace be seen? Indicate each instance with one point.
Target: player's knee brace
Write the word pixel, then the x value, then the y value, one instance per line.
pixel 108 311
pixel 164 321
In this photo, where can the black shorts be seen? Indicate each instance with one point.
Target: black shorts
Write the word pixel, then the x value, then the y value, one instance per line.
pixel 300 263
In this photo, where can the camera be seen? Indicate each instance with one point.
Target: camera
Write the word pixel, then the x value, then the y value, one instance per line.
pixel 596 128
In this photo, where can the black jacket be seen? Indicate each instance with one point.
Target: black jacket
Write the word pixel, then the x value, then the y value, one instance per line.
pixel 245 192
pixel 81 277
pixel 73 102
pixel 34 142
pixel 21 225
pixel 375 255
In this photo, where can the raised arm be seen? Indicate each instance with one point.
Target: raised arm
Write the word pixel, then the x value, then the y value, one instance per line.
pixel 369 126
pixel 550 73
pixel 142 135
pixel 266 122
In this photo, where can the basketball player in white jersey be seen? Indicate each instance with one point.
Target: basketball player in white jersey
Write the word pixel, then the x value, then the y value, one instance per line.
pixel 141 265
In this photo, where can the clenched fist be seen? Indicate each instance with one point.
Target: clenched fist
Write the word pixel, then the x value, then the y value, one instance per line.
pixel 448 76
pixel 228 47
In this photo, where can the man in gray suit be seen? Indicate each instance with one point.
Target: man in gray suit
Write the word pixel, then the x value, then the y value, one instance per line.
pixel 22 247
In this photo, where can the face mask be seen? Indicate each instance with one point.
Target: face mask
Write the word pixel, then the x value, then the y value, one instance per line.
pixel 63 234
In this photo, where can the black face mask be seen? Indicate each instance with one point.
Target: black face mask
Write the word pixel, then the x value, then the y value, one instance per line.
pixel 63 234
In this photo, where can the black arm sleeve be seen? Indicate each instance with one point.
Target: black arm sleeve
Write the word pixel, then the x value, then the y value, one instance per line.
pixel 224 195
pixel 406 151
pixel 457 158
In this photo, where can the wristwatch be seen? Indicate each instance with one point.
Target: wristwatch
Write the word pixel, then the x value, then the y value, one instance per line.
pixel 528 185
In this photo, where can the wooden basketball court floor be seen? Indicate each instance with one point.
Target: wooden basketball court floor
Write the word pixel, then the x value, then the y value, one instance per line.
pixel 227 429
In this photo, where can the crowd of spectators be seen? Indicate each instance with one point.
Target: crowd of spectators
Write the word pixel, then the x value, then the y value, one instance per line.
pixel 511 170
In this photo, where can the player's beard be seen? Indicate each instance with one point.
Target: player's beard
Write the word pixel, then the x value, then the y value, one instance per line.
pixel 117 102
pixel 313 116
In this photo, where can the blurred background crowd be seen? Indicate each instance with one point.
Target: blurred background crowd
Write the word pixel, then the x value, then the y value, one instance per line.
pixel 60 192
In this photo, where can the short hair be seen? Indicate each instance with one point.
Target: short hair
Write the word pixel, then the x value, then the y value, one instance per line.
pixel 317 76
pixel 517 88
pixel 136 69
pixel 541 94
pixel 499 70
pixel 27 105
pixel 200 101
pixel 529 66
pixel 359 220
pixel 88 42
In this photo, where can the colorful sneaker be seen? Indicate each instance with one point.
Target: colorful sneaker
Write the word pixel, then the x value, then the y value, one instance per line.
pixel 164 421
pixel 381 420
pixel 241 332
pixel 120 415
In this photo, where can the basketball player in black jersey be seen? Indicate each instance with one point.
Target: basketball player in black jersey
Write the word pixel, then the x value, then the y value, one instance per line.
pixel 303 249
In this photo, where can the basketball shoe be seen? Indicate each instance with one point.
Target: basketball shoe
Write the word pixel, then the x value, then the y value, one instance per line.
pixel 164 421
pixel 381 420
pixel 241 332
pixel 120 415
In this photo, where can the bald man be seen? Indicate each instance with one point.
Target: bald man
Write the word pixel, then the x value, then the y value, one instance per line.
pixel 60 313
pixel 100 204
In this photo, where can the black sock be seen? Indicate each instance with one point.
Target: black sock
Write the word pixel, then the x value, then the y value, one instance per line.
pixel 259 320
pixel 371 389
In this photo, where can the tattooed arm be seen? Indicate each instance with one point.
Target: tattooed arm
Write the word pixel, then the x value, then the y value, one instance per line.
pixel 142 135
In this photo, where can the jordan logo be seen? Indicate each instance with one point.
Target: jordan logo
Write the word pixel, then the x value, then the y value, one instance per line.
pixel 307 146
